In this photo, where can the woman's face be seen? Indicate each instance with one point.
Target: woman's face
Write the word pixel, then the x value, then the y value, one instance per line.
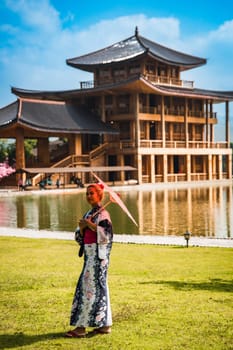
pixel 93 197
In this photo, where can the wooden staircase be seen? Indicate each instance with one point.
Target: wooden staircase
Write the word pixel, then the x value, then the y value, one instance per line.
pixel 73 161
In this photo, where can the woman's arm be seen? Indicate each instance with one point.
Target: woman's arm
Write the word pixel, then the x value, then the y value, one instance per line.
pixel 83 223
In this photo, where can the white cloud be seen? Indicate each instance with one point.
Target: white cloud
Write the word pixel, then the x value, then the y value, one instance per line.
pixel 36 60
pixel 165 29
pixel 223 34
pixel 36 14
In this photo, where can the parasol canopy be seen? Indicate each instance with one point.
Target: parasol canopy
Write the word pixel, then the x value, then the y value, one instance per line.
pixel 114 197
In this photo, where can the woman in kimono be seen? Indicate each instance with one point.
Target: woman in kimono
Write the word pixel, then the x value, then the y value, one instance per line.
pixel 91 303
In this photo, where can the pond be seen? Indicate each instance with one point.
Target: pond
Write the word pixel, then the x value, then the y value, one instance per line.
pixel 204 211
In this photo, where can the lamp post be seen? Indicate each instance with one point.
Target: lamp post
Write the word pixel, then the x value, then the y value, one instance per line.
pixel 187 235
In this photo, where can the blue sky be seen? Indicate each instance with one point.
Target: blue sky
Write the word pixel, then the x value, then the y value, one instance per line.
pixel 36 37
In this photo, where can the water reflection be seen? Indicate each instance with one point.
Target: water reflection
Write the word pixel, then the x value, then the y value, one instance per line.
pixel 205 211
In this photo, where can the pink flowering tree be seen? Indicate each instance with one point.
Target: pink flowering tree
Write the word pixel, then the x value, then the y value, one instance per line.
pixel 5 170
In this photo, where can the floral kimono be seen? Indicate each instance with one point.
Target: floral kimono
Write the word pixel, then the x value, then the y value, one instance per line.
pixel 91 303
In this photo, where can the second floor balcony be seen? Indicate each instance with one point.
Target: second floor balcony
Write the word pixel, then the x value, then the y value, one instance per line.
pixel 176 111
pixel 165 80
pixel 152 78
pixel 153 144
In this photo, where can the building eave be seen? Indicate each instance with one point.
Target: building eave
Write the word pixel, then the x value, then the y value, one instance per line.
pixel 53 117
pixel 132 48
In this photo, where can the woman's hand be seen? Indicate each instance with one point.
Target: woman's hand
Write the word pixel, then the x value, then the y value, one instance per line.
pixel 82 224
pixel 87 223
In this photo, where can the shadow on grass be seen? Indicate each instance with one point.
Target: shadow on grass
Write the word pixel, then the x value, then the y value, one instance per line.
pixel 10 341
pixel 214 285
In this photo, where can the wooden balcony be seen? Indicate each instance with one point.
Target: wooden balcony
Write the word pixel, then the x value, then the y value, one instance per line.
pixel 152 144
pixel 176 112
pixel 182 144
pixel 154 79
pixel 164 80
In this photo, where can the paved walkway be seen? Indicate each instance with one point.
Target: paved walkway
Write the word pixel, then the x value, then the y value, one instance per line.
pixel 137 239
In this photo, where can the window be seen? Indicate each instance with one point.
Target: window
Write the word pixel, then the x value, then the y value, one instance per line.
pixel 134 69
pixel 104 73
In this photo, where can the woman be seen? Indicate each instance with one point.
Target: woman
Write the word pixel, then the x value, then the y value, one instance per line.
pixel 91 304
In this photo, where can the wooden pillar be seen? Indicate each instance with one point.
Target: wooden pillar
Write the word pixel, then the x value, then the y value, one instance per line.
pixel 43 152
pixel 165 168
pixel 103 115
pixel 211 125
pixel 188 167
pixel 75 144
pixel 211 133
pixel 163 123
pixel 227 125
pixel 205 167
pixel 186 123
pixel 136 115
pixel 214 170
pixel 20 153
pixel 210 168
pixel 206 123
pixel 170 132
pixel 220 167
pixel 139 167
pixel 120 160
pixel 137 138
pixel 152 168
pixel 193 165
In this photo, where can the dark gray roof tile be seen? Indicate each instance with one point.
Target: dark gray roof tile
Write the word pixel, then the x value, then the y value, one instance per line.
pixel 8 114
pixel 131 48
pixel 52 117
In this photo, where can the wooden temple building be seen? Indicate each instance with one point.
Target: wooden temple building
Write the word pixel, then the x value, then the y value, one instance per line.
pixel 136 120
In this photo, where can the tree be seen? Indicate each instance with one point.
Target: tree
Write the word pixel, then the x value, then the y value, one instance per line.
pixel 5 170
pixel 8 150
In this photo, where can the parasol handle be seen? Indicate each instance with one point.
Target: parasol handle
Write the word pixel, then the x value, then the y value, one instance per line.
pixel 98 211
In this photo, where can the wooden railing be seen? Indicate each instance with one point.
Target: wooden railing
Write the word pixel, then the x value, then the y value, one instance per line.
pixel 152 78
pixel 168 144
pixel 98 151
pixel 164 80
pixel 69 161
pixel 181 144
pixel 176 111
pixel 72 161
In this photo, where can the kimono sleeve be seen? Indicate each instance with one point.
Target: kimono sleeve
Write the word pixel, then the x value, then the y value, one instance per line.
pixel 104 235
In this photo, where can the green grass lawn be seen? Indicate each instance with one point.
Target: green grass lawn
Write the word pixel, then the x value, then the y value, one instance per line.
pixel 162 297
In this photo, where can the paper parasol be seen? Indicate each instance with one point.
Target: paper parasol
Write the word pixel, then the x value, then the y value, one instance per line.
pixel 114 197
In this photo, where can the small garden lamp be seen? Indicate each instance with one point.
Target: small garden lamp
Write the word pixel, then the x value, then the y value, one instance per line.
pixel 187 235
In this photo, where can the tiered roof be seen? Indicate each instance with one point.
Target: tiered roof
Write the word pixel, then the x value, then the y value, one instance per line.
pixel 132 48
